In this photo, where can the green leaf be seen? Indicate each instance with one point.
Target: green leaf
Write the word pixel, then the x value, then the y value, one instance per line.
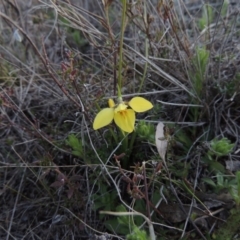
pixel 207 17
pixel 224 8
pixel 183 137
pixel 238 182
pixel 122 219
pixel 220 180
pixel 121 224
pixel 209 181
pixel 113 225
pixel 137 234
pixel 217 166
pixel 75 144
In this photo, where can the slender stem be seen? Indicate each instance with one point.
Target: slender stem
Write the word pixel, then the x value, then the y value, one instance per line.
pixel 108 24
pixel 146 49
pixel 145 66
pixel 125 147
pixel 123 21
pixel 133 137
pixel 111 35
pixel 113 135
pixel 146 190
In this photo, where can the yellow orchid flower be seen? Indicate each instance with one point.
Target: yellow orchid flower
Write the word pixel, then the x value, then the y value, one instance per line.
pixel 123 116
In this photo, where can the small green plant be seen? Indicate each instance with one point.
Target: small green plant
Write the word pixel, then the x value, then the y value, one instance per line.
pixel 146 131
pixel 207 17
pixel 75 34
pixel 200 63
pixel 222 182
pixel 183 138
pixel 137 234
pixel 224 8
pixel 198 76
pixel 104 199
pixel 219 148
pixel 230 87
pixel 125 224
pixel 235 191
pixel 122 224
pixel 76 145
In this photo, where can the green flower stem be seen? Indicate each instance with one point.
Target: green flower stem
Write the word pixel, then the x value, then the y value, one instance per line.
pixel 125 140
pixel 128 146
pixel 114 135
pixel 133 137
pixel 124 8
pixel 119 94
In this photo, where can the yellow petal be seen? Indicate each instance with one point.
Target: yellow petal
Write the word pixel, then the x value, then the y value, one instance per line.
pixel 139 104
pixel 111 103
pixel 103 118
pixel 125 120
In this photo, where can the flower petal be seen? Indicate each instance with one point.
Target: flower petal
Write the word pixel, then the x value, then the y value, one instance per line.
pixel 139 104
pixel 103 118
pixel 125 120
pixel 111 103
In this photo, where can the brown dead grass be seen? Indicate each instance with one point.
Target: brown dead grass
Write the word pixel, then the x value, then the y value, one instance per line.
pixel 51 81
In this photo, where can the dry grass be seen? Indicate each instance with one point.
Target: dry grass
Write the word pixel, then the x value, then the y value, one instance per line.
pixel 58 65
